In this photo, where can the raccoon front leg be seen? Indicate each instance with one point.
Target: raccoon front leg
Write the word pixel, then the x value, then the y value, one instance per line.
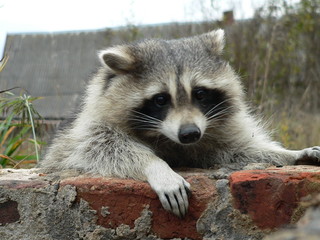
pixel 111 152
pixel 253 144
pixel 171 188
pixel 261 158
pixel 277 155
pixel 310 156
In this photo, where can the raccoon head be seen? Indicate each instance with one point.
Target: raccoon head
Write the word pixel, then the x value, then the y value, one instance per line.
pixel 180 89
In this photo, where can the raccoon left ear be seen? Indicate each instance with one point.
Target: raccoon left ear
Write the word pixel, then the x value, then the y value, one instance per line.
pixel 215 40
pixel 118 59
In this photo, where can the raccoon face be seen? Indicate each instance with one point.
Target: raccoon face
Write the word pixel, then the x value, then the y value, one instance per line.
pixel 180 124
pixel 180 88
pixel 183 121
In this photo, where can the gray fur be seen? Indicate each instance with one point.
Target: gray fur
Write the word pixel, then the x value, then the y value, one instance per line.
pixel 102 141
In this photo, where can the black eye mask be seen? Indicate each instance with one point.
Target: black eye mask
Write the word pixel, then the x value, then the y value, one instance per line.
pixel 210 101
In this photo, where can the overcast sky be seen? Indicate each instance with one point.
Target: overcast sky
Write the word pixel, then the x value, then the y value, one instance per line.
pixel 20 16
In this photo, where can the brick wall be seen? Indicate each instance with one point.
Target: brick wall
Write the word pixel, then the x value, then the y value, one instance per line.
pixel 66 205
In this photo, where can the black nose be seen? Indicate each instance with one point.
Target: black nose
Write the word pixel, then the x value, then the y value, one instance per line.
pixel 189 134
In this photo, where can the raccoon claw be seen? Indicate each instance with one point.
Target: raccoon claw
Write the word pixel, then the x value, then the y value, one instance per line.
pixel 317 149
pixel 313 152
pixel 309 156
pixel 176 202
pixel 175 198
pixel 172 189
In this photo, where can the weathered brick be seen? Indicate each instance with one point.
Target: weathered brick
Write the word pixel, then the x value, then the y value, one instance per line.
pixel 271 196
pixel 121 201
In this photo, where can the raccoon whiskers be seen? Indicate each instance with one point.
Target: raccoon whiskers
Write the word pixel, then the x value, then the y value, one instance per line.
pixel 207 114
pixel 142 116
pixel 143 125
pixel 212 120
pixel 142 121
pixel 144 128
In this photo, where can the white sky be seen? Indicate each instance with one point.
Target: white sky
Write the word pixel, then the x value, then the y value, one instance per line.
pixel 17 16
pixel 61 15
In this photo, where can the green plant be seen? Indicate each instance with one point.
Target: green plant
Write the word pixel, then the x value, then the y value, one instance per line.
pixel 19 115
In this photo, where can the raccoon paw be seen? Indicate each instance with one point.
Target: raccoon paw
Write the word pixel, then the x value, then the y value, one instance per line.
pixel 309 156
pixel 171 188
pixel 174 197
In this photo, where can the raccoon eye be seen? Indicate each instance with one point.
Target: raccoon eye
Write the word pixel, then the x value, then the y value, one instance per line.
pixel 161 99
pixel 200 93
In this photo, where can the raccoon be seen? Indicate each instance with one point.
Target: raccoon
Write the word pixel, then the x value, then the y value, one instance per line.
pixel 158 104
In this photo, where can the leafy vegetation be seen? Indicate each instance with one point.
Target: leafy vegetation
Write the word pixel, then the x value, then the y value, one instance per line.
pixel 18 131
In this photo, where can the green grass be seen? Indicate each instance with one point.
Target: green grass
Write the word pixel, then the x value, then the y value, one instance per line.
pixel 18 131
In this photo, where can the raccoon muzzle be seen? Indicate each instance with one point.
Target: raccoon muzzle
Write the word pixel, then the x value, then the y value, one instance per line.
pixel 189 134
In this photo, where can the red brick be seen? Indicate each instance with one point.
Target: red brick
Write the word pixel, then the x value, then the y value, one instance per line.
pixel 270 196
pixel 127 198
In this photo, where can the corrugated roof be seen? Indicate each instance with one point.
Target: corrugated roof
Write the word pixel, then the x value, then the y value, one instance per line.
pixel 54 66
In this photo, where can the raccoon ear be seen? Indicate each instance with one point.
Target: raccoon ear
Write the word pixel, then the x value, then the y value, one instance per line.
pixel 118 59
pixel 215 40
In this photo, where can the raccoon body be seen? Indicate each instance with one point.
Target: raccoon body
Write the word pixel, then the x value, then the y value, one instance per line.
pixel 158 104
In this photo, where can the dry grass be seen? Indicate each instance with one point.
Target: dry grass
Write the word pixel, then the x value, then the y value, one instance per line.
pixel 297 130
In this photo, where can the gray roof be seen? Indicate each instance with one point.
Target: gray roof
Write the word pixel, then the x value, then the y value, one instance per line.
pixel 56 66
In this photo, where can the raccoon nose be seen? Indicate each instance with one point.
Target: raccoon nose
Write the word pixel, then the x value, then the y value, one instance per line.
pixel 189 134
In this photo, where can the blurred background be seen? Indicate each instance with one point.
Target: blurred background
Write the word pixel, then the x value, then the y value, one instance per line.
pixel 48 51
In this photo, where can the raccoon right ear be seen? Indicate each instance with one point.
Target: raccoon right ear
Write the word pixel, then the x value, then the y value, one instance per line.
pixel 215 40
pixel 118 59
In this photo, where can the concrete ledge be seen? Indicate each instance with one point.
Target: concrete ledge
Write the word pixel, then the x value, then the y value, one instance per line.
pixel 66 205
